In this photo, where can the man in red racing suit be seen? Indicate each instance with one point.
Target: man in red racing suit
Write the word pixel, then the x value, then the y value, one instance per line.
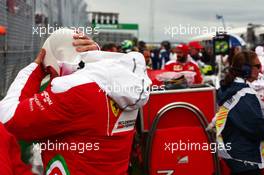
pixel 81 130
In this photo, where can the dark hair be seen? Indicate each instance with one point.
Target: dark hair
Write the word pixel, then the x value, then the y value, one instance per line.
pixel 239 60
pixel 231 55
pixel 108 46
pixel 166 45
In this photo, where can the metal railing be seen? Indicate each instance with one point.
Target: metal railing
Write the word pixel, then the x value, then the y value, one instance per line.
pixel 17 47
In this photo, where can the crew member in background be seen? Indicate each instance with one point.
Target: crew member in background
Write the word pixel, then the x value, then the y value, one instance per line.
pixel 110 47
pixel 147 56
pixel 239 121
pixel 126 46
pixel 183 64
pixel 201 56
pixel 164 53
pixel 195 49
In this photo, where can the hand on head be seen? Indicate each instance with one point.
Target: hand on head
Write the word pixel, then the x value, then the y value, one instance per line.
pixel 39 60
pixel 66 45
pixel 83 43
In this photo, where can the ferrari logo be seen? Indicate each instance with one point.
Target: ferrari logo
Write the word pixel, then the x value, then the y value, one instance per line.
pixel 114 107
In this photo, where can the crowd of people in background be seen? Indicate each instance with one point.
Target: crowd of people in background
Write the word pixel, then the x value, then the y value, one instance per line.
pixel 192 56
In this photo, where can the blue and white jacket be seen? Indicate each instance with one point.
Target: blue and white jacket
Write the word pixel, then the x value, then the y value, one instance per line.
pixel 240 122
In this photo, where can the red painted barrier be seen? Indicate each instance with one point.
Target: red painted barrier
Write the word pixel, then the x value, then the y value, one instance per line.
pixel 174 118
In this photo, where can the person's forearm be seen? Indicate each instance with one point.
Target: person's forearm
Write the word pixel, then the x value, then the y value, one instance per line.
pixel 25 85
